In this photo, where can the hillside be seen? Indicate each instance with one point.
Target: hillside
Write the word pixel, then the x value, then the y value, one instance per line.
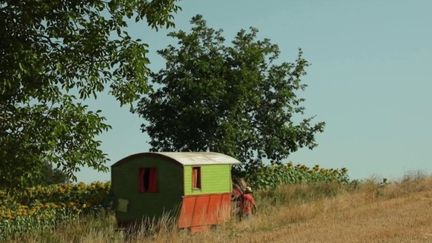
pixel 395 216
pixel 361 212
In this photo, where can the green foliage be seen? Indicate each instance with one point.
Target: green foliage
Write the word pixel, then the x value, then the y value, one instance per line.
pixel 236 99
pixel 43 207
pixel 42 221
pixel 54 54
pixel 51 176
pixel 271 176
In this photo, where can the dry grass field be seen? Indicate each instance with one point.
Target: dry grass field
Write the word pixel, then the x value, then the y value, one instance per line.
pixel 399 215
pixel 365 212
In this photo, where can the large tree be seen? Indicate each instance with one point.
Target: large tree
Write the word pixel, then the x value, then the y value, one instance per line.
pixel 231 98
pixel 53 55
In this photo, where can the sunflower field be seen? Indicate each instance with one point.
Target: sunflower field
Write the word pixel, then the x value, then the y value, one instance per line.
pixel 272 175
pixel 42 207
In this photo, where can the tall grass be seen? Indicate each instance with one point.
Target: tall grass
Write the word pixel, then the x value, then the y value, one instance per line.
pixel 283 214
pixel 101 227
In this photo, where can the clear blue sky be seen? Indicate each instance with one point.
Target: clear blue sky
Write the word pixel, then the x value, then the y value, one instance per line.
pixel 370 78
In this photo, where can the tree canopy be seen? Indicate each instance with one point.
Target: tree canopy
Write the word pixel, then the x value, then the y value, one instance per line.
pixel 233 98
pixel 54 54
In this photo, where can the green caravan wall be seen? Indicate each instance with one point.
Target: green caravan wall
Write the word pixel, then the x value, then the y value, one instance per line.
pixel 214 179
pixel 147 204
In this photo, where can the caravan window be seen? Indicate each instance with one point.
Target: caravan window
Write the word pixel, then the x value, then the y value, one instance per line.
pixel 196 178
pixel 147 180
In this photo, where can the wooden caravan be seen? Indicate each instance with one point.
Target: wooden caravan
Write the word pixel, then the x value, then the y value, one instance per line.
pixel 194 187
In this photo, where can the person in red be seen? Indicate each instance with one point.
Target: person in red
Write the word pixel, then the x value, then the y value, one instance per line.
pixel 248 203
pixel 239 186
